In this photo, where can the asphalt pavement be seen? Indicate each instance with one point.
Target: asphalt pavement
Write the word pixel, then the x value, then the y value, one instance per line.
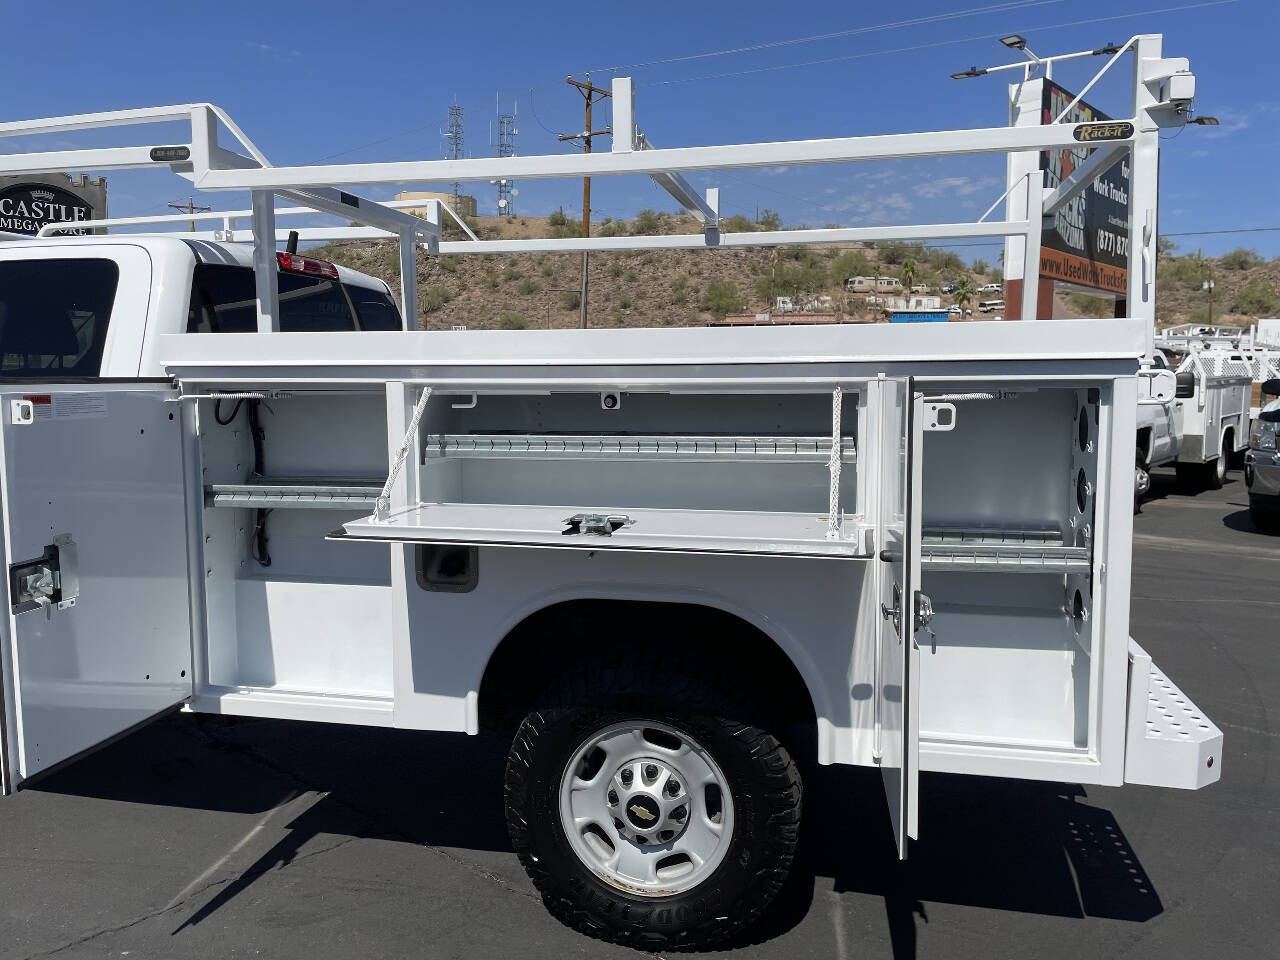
pixel 207 837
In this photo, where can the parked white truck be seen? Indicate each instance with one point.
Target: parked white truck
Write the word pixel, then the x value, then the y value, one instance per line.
pixel 1201 426
pixel 670 562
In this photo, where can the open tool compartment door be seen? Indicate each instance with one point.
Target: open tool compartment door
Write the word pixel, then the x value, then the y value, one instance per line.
pixel 96 622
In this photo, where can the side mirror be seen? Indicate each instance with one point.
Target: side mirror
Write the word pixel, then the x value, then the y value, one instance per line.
pixel 1157 386
pixel 1271 387
pixel 1186 385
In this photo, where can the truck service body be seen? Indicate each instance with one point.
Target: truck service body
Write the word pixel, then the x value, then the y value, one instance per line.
pixel 674 561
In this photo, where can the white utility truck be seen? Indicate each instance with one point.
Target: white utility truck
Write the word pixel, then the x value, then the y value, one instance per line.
pixel 1201 426
pixel 670 561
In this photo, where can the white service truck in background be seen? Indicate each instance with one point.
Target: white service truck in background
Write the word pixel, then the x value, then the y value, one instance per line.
pixel 1202 429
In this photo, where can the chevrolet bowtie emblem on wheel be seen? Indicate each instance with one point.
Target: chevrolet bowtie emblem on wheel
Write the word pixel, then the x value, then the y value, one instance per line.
pixel 641 812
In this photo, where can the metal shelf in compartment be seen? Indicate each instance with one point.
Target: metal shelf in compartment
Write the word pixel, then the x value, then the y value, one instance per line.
pixel 270 494
pixel 647 447
pixel 994 549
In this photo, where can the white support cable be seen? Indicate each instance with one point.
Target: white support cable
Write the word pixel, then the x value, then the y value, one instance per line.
pixel 382 509
pixel 833 465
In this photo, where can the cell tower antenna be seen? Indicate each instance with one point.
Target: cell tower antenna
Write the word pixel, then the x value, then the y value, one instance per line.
pixel 507 148
pixel 454 138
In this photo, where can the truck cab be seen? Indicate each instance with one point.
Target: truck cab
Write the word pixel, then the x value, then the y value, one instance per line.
pixel 94 307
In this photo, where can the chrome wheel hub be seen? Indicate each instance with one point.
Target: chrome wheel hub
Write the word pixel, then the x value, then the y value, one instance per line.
pixel 646 808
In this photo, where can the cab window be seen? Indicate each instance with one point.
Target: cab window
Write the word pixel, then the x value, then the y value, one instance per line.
pixel 54 316
pixel 224 300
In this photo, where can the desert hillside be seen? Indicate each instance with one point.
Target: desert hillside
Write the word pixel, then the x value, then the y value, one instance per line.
pixel 692 288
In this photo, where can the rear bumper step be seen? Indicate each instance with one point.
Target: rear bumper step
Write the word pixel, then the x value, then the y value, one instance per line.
pixel 1169 741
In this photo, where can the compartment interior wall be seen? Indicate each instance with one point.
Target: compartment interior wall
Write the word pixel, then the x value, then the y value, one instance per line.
pixel 672 483
pixel 318 617
pixel 1013 648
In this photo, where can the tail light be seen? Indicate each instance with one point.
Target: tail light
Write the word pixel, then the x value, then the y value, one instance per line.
pixel 293 263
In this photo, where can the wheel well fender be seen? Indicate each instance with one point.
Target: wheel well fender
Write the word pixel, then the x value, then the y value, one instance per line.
pixel 536 650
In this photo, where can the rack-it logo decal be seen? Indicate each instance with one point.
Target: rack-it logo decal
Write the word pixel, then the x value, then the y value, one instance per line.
pixel 1094 132
pixel 26 207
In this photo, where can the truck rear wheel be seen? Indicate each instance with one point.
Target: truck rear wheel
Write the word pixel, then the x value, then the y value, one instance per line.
pixel 650 810
pixel 1141 481
pixel 1215 472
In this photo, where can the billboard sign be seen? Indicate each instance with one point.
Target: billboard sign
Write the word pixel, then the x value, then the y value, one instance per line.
pixel 26 207
pixel 1088 244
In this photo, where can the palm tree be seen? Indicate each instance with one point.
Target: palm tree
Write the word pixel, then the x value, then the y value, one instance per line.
pixel 963 292
pixel 908 275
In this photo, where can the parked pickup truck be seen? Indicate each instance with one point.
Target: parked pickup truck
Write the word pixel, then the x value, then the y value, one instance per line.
pixel 1262 462
pixel 1202 428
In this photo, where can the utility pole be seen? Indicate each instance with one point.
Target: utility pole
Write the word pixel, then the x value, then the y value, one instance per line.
pixel 190 209
pixel 590 94
pixel 1207 286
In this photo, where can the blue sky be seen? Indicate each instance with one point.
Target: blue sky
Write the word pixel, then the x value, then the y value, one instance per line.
pixel 374 81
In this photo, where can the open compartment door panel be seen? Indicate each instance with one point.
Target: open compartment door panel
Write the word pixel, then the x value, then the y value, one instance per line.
pixel 96 621
pixel 898 540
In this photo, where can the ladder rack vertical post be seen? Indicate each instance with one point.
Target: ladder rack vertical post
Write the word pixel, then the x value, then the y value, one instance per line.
pixel 1143 176
pixel 409 279
pixel 264 261
pixel 1031 245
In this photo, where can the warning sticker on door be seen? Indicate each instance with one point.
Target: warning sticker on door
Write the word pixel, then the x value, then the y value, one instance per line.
pixel 79 406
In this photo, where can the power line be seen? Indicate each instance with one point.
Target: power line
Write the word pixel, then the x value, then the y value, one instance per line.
pixel 1205 233
pixel 1006 7
pixel 945 43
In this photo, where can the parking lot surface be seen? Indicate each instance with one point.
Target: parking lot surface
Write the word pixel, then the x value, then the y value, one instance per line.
pixel 200 837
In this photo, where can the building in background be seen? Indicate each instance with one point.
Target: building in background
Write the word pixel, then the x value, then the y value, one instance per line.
pixel 29 203
pixel 466 202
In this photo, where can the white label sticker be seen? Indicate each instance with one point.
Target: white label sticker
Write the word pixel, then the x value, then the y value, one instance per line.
pixel 79 406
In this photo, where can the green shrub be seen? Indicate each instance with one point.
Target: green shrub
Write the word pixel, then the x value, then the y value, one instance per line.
pixel 570 299
pixel 720 299
pixel 1240 259
pixel 680 290
pixel 769 220
pixel 615 269
pixel 557 219
pixel 850 264
pixel 1083 305
pixel 548 269
pixel 527 286
pixel 980 267
pixel 737 224
pixel 1256 298
pixel 647 222
pixel 624 302
pixel 511 321
pixel 433 298
pixel 448 264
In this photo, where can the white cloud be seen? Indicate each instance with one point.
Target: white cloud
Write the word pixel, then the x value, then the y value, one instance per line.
pixel 954 186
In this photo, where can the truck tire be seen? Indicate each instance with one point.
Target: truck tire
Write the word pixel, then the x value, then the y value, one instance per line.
pixel 648 808
pixel 1265 520
pixel 1215 472
pixel 1141 481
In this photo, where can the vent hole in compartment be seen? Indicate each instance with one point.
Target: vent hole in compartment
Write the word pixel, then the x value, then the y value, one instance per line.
pixel 1083 429
pixel 1082 490
pixel 1078 612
